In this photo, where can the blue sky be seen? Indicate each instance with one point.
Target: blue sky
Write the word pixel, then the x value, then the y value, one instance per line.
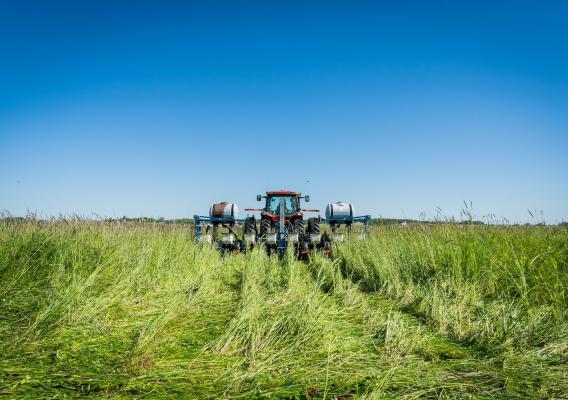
pixel 402 107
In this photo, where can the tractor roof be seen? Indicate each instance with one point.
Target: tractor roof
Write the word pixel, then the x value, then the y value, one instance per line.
pixel 283 192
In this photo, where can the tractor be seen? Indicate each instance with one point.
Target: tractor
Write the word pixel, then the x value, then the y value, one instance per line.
pixel 282 224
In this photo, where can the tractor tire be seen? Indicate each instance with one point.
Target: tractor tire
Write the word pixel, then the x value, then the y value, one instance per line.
pixel 250 226
pixel 265 227
pixel 299 227
pixel 313 226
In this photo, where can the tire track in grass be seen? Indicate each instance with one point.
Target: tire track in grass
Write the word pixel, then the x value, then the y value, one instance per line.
pixel 457 365
pixel 436 365
pixel 188 364
pixel 511 378
pixel 292 337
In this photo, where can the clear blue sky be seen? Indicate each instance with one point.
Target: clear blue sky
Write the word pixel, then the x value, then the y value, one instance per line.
pixel 161 109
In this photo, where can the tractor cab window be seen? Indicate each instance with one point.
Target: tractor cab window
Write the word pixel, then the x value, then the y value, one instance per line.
pixel 290 204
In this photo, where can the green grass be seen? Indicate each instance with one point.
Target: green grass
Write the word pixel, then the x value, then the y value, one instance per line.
pixel 111 310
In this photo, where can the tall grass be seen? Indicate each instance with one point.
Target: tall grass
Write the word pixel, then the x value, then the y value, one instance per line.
pixel 140 311
pixel 499 290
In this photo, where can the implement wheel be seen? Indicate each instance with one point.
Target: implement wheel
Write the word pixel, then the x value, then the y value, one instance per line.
pixel 313 226
pixel 250 225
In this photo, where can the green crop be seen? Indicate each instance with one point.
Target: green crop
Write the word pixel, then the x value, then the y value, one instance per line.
pixel 127 310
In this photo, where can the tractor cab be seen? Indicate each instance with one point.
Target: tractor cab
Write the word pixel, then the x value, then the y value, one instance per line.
pixel 282 218
pixel 292 209
pixel 291 203
pixel 270 213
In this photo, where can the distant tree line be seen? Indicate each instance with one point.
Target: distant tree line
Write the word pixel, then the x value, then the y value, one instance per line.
pixel 155 220
pixel 404 221
pixel 373 221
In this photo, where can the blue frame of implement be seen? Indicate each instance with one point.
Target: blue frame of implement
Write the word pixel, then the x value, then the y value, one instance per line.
pixel 347 220
pixel 339 221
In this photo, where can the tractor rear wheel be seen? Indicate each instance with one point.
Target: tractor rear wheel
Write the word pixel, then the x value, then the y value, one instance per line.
pixel 313 226
pixel 265 226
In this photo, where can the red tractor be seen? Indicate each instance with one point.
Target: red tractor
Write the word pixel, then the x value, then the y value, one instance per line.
pixel 293 214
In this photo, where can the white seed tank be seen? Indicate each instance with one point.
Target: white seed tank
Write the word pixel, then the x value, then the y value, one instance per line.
pixel 224 210
pixel 339 210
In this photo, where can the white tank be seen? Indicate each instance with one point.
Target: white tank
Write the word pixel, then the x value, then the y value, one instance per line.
pixel 339 210
pixel 224 210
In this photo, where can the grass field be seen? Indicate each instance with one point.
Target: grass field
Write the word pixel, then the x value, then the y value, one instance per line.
pixel 140 311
